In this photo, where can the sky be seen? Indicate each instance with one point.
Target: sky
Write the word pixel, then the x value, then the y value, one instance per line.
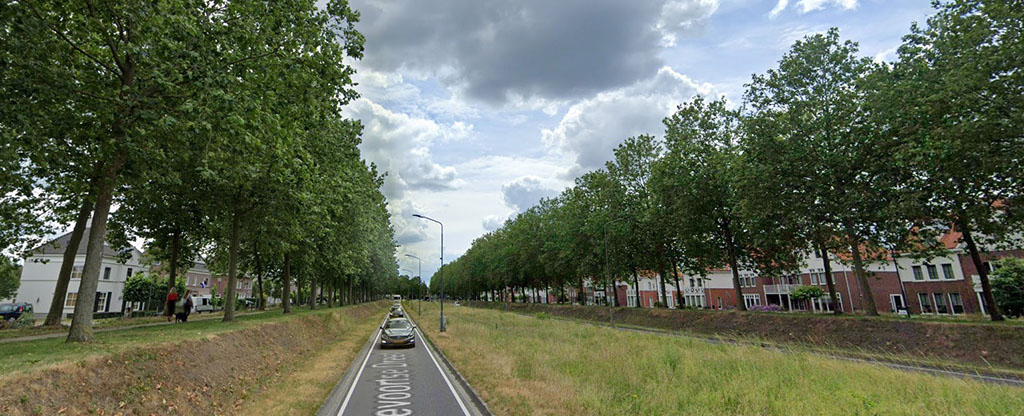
pixel 477 109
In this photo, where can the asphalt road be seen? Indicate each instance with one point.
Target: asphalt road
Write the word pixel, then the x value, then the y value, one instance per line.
pixel 399 382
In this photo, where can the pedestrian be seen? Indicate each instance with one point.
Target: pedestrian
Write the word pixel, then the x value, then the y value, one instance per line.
pixel 172 298
pixel 184 307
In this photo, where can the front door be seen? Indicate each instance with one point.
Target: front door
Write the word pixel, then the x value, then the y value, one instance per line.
pixel 896 303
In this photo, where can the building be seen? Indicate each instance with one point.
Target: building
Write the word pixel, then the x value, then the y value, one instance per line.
pixel 41 268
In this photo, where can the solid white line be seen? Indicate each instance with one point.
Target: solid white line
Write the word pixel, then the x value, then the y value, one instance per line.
pixel 352 389
pixel 445 377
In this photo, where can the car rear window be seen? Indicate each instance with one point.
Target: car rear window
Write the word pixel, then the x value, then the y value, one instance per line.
pixel 398 325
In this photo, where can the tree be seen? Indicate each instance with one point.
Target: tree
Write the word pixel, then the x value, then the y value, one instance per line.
pixel 10 278
pixel 956 99
pixel 1008 286
pixel 698 183
pixel 811 151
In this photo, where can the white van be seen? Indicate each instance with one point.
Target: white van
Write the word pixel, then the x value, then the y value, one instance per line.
pixel 202 303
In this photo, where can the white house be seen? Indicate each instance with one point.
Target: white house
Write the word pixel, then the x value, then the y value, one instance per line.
pixel 40 270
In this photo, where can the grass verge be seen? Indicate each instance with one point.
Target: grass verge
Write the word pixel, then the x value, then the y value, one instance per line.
pixel 529 365
pixel 301 388
pixel 33 355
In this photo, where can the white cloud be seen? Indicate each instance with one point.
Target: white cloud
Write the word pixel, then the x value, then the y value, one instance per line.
pixel 779 7
pixel 679 17
pixel 493 222
pixel 806 6
pixel 592 128
pixel 525 192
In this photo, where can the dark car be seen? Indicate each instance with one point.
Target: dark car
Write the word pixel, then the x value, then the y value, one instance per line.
pixel 398 333
pixel 13 311
pixel 396 312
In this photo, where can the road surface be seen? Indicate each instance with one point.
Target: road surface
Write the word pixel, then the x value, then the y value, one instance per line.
pixel 400 382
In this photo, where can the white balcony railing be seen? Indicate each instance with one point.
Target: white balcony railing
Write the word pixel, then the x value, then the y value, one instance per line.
pixel 779 289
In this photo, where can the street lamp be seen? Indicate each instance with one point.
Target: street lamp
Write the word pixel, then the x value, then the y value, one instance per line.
pixel 419 303
pixel 440 277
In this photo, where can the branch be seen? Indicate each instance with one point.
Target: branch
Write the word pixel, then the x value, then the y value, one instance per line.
pixel 69 42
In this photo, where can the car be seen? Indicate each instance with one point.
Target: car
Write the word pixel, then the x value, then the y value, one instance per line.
pixel 398 332
pixel 396 312
pixel 13 311
pixel 202 303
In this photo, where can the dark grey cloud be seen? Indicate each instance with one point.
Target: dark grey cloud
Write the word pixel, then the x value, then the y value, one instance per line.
pixel 496 51
pixel 525 192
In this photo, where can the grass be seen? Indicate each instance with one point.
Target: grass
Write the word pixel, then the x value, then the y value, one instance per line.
pixel 528 365
pixel 21 356
pixel 302 387
pixel 103 324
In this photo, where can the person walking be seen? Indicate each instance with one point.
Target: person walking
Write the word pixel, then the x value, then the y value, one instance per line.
pixel 185 307
pixel 172 298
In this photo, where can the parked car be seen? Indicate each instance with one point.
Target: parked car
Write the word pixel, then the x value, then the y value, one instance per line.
pixel 13 311
pixel 398 332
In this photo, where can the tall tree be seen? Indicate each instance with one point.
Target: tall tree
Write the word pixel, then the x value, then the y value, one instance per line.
pixel 957 100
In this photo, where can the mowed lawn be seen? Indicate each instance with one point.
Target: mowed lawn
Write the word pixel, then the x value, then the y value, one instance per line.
pixel 527 365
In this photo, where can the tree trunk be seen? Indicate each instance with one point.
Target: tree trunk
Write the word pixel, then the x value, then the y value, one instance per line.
pixel 730 248
pixel 861 276
pixel 312 294
pixel 261 302
pixel 330 296
pixel 986 287
pixel 81 324
pixel 229 301
pixel 636 288
pixel 827 263
pixel 175 256
pixel 678 295
pixel 286 284
pixel 60 293
pixel 582 296
pixel 661 282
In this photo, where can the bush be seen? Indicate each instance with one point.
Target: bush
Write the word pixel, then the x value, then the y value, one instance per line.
pixel 1008 286
pixel 766 308
pixel 26 320
pixel 807 293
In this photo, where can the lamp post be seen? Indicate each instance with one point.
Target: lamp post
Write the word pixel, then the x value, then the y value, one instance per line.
pixel 440 278
pixel 419 275
pixel 410 275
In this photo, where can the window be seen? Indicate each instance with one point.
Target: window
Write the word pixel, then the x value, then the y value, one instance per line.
pixel 694 300
pixel 947 271
pixel 917 273
pixel 101 299
pixel 751 300
pixel 824 303
pixel 76 272
pixel 129 272
pixel 956 303
pixel 748 280
pixel 940 303
pixel 69 302
pixel 933 274
pixel 926 303
pixel 106 273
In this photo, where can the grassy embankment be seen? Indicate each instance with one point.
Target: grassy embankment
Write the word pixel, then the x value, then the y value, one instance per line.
pixel 108 323
pixel 524 365
pixel 36 354
pixel 265 363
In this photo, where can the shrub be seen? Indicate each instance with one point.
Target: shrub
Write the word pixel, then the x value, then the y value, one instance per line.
pixel 1008 286
pixel 766 308
pixel 807 293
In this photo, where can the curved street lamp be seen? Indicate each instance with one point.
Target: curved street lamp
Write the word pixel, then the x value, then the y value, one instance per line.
pixel 440 278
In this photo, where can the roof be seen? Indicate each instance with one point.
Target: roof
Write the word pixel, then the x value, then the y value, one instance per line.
pixel 57 246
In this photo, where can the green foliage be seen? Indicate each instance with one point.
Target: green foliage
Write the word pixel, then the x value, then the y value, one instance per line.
pixel 10 278
pixel 807 293
pixel 1008 286
pixel 150 288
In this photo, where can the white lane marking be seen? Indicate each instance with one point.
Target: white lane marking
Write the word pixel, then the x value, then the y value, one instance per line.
pixel 348 396
pixel 443 375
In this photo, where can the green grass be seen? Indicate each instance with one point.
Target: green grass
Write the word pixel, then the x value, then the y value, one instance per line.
pixel 30 355
pixel 522 365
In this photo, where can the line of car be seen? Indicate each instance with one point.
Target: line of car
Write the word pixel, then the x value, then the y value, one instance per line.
pixel 397 331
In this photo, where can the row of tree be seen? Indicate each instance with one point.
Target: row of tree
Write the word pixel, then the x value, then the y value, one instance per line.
pixel 206 128
pixel 828 153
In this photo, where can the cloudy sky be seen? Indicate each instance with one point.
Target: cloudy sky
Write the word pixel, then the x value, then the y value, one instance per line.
pixel 477 109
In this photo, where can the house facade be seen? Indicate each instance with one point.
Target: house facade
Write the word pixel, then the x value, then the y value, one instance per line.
pixel 41 268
